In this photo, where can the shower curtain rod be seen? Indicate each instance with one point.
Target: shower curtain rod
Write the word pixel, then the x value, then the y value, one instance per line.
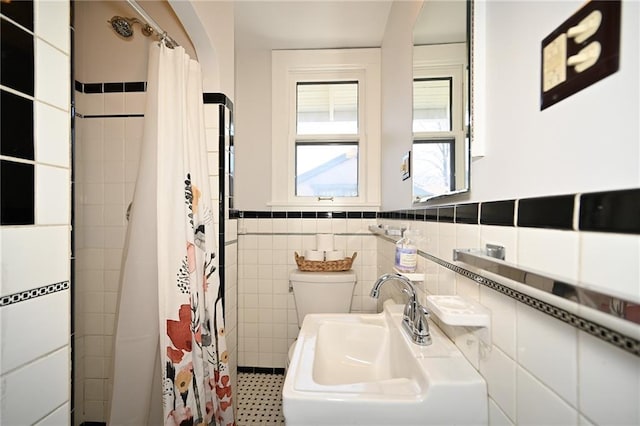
pixel 164 36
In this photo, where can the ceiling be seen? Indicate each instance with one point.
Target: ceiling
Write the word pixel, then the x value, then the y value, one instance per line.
pixel 310 24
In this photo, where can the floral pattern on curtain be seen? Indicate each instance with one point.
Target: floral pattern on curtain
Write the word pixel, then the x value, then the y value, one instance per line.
pixel 196 381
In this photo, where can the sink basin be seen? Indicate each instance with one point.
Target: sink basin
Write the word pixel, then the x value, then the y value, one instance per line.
pixel 363 369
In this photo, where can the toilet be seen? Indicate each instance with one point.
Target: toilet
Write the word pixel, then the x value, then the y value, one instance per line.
pixel 321 293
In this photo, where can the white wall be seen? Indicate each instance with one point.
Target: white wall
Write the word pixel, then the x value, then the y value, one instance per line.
pixel 397 109
pixel 253 129
pixel 587 142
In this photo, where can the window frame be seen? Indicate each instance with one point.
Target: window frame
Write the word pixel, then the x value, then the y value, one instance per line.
pixel 454 69
pixel 325 66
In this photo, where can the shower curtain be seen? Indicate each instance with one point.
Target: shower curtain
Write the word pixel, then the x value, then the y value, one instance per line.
pixel 170 355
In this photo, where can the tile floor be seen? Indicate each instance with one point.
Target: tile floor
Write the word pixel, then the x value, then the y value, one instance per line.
pixel 260 399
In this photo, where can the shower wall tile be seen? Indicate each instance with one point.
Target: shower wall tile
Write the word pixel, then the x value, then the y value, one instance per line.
pixel 52 23
pixel 52 133
pixel 135 102
pixel 23 405
pixel 24 252
pixel 44 336
pixel 114 103
pixel 53 194
pixel 52 75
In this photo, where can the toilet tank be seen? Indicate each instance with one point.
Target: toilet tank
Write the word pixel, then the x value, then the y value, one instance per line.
pixel 322 292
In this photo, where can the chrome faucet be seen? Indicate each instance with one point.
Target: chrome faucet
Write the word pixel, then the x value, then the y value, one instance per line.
pixel 414 319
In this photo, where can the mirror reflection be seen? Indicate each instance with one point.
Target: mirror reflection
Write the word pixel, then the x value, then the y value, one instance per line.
pixel 441 118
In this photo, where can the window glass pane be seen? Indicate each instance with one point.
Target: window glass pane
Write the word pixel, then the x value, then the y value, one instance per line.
pixel 327 170
pixel 327 108
pixel 432 105
pixel 432 167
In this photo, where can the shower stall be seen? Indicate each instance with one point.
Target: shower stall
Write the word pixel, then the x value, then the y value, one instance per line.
pixel 110 70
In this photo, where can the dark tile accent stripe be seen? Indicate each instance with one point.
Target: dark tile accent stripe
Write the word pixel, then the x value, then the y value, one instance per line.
pixel 33 293
pixel 113 116
pixel 135 86
pixel 217 98
pixel 16 116
pixel 112 87
pixel 497 213
pixel 615 211
pixel 305 215
pixel 260 370
pixel 17 193
pixel 446 214
pixel 546 212
pixel 93 424
pixel 92 88
pixel 17 65
pixel 467 213
pixel 19 11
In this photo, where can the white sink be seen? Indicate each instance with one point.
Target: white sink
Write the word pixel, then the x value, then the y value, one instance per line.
pixel 350 369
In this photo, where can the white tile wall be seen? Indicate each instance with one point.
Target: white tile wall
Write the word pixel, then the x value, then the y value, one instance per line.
pixel 540 370
pixel 107 155
pixel 268 322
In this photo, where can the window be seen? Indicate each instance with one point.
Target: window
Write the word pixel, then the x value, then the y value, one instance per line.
pixel 439 140
pixel 327 139
pixel 325 128
pixel 433 161
pixel 432 105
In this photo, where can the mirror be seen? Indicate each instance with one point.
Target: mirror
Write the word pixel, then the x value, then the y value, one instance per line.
pixel 441 99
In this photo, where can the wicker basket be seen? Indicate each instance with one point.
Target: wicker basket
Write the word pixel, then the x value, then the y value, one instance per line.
pixel 325 265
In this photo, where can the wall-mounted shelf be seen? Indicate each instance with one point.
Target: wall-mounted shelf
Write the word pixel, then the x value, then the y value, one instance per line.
pixel 456 310
pixel 413 276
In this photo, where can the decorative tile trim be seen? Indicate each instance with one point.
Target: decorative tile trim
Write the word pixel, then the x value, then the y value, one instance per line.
pixel 304 214
pixel 33 293
pixel 547 212
pixel 117 87
pixel 111 116
pixel 260 370
pixel 615 338
pixel 614 211
pixel 217 98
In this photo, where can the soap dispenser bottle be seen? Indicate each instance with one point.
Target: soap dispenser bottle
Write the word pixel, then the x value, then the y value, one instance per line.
pixel 407 252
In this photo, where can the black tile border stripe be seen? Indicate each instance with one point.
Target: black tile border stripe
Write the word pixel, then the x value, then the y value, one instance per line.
pixel 113 116
pixel 546 212
pixel 217 98
pixel 617 211
pixel 260 370
pixel 111 87
pixel 609 211
pixel 23 296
